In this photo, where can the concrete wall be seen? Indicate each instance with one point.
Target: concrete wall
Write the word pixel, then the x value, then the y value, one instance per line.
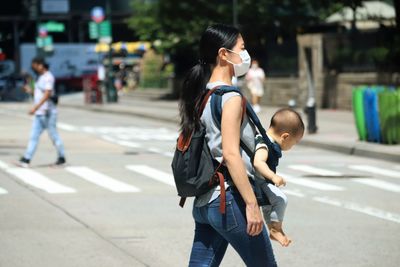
pixel 335 89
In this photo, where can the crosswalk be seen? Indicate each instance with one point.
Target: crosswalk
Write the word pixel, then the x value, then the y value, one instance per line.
pixel 102 180
pixel 302 184
pixel 377 183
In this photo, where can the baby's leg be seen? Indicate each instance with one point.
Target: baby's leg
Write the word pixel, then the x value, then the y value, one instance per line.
pixel 274 214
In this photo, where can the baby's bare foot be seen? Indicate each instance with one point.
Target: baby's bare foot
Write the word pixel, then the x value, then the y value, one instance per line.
pixel 279 235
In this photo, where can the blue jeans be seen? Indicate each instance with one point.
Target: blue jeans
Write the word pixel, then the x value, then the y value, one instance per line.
pixel 40 123
pixel 214 231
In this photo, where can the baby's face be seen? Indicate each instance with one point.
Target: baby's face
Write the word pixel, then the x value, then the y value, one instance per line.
pixel 288 141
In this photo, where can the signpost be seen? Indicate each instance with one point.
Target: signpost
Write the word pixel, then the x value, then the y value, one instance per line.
pixel 100 29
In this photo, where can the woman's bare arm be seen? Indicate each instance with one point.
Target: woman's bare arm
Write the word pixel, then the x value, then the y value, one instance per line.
pixel 230 131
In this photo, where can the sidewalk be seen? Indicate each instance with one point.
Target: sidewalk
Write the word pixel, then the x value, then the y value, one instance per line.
pixel 336 129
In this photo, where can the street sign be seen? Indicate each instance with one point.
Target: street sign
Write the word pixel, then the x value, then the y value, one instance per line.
pixel 105 29
pixel 93 30
pixel 101 31
pixel 97 14
pixel 53 26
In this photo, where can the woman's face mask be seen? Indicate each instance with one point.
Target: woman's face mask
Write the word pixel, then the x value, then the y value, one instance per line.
pixel 241 68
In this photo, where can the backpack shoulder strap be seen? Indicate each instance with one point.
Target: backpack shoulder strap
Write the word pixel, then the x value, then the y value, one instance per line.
pixel 256 121
pixel 216 111
pixel 216 103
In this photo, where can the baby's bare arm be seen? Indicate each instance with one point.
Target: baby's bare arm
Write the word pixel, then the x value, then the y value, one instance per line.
pixel 260 164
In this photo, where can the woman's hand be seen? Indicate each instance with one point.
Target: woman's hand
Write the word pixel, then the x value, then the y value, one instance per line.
pixel 254 219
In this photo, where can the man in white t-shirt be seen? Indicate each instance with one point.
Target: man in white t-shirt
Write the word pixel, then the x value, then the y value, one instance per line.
pixel 45 111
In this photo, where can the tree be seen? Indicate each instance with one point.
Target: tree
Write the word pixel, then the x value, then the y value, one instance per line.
pixel 176 25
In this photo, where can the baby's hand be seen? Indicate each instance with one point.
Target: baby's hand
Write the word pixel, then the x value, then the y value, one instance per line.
pixel 278 181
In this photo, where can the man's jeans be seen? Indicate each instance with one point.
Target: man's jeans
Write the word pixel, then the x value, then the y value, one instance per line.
pixel 213 232
pixel 40 123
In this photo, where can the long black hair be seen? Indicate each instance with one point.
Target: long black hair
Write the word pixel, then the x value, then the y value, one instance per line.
pixel 194 85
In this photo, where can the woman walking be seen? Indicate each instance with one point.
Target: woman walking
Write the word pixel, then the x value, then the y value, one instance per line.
pixel 222 56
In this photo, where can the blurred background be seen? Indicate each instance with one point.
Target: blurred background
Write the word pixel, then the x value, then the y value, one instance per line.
pixel 119 65
pixel 352 42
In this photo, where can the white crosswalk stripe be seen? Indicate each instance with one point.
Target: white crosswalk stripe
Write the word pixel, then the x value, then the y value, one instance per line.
pixel 3 191
pixel 378 184
pixel 293 193
pixel 389 216
pixel 365 181
pixel 314 170
pixel 36 179
pixel 153 173
pixel 40 181
pixel 102 180
pixel 311 183
pixel 376 170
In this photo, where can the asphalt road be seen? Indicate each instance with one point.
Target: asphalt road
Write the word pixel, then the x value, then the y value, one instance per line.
pixel 114 204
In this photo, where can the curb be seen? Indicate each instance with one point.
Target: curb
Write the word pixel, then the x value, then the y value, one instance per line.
pixel 331 147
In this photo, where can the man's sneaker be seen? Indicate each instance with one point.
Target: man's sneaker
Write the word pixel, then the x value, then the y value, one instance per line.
pixel 60 161
pixel 24 163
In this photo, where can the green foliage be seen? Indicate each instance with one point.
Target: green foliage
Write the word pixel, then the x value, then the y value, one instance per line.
pixel 174 24
pixel 154 73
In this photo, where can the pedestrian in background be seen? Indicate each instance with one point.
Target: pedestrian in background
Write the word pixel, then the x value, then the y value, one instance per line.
pixel 222 56
pixel 255 79
pixel 45 113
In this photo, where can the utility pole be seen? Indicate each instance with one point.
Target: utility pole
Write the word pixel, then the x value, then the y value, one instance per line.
pixel 111 92
pixel 310 108
pixel 36 4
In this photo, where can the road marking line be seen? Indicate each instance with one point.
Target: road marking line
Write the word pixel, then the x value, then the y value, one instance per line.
pixel 154 150
pixel 168 154
pixel 310 183
pixel 378 184
pixel 293 193
pixel 36 179
pixel 314 170
pixel 3 165
pixel 389 216
pixel 153 173
pixel 128 144
pixel 120 142
pixel 40 181
pixel 66 127
pixel 3 191
pixel 376 170
pixel 101 179
pixel 109 139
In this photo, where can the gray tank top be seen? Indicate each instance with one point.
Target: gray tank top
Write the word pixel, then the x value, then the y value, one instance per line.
pixel 213 138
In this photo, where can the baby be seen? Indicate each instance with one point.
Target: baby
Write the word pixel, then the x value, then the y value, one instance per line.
pixel 286 130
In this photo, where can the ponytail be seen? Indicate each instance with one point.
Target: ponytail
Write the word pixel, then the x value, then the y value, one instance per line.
pixel 194 85
pixel 193 88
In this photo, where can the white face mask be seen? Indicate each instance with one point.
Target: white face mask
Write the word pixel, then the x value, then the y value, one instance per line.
pixel 241 68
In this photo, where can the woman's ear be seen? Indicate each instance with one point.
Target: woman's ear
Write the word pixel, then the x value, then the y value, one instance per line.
pixel 222 54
